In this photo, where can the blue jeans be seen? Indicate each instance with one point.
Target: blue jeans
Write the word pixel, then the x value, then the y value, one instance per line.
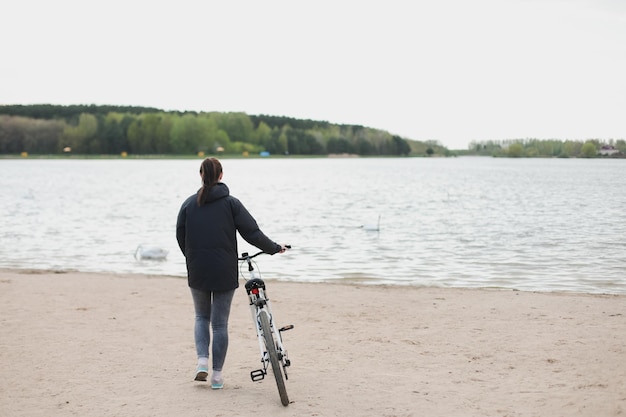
pixel 212 310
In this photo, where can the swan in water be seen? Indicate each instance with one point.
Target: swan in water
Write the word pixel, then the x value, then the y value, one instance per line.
pixel 374 227
pixel 150 252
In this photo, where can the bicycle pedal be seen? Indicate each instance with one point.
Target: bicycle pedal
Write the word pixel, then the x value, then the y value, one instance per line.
pixel 285 328
pixel 257 375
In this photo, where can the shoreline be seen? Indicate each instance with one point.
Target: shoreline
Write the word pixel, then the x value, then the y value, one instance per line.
pixel 122 344
pixel 338 281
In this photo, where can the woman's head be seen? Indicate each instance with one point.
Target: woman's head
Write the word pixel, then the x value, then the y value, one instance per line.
pixel 211 173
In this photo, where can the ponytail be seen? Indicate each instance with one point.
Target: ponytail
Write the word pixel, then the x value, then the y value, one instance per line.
pixel 211 171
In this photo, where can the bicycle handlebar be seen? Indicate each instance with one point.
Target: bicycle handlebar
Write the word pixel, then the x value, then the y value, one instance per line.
pixel 245 256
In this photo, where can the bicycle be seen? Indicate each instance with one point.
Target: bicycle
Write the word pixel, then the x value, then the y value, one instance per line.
pixel 273 351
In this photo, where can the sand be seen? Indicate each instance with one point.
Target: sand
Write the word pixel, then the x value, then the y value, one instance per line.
pixel 83 344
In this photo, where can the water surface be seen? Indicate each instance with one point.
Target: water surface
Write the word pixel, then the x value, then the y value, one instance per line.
pixel 528 224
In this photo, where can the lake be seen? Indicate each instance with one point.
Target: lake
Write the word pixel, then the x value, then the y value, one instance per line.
pixel 526 224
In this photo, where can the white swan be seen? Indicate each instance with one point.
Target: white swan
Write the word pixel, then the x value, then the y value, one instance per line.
pixel 150 252
pixel 374 227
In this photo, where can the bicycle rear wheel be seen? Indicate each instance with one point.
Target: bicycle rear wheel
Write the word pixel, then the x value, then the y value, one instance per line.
pixel 270 346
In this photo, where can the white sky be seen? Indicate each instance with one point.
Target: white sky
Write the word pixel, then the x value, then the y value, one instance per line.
pixel 448 70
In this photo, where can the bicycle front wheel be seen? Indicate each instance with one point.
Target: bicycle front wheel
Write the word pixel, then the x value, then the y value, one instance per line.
pixel 270 346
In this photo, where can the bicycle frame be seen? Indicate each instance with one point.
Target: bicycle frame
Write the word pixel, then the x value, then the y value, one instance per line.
pixel 273 351
pixel 260 304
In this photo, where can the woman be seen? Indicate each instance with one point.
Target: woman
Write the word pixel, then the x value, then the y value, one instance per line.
pixel 206 231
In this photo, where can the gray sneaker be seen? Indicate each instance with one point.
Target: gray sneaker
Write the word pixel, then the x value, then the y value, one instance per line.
pixel 201 374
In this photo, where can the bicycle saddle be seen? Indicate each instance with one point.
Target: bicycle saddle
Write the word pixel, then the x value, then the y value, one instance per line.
pixel 255 283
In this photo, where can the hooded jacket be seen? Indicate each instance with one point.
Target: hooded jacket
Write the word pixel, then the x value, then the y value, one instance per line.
pixel 207 236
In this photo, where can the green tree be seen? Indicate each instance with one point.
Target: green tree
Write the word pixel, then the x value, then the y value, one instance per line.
pixel 110 131
pixel 19 134
pixel 238 126
pixel 282 141
pixel 191 134
pixel 339 145
pixel 137 137
pixel 588 150
pixel 400 146
pixel 42 136
pixel 545 148
pixel 12 134
pixel 516 150
pixel 262 134
pixel 571 148
pixel 365 147
pixel 79 137
pixel 162 134
pixel 179 141
pixel 282 145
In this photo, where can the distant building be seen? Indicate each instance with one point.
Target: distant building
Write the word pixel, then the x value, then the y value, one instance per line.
pixel 608 150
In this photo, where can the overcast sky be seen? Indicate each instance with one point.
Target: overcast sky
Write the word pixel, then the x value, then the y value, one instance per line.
pixel 446 70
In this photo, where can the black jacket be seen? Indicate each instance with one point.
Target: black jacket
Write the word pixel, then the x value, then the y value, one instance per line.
pixel 207 236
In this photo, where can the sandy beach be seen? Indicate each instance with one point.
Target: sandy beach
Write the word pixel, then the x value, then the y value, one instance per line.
pixel 83 344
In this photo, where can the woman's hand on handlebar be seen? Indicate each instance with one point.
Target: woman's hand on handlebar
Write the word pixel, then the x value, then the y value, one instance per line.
pixel 283 248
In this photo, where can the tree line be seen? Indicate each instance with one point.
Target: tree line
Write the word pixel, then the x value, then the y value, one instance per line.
pixel 91 129
pixel 539 148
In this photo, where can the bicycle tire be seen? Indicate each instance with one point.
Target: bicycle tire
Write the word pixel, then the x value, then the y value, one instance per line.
pixel 274 361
